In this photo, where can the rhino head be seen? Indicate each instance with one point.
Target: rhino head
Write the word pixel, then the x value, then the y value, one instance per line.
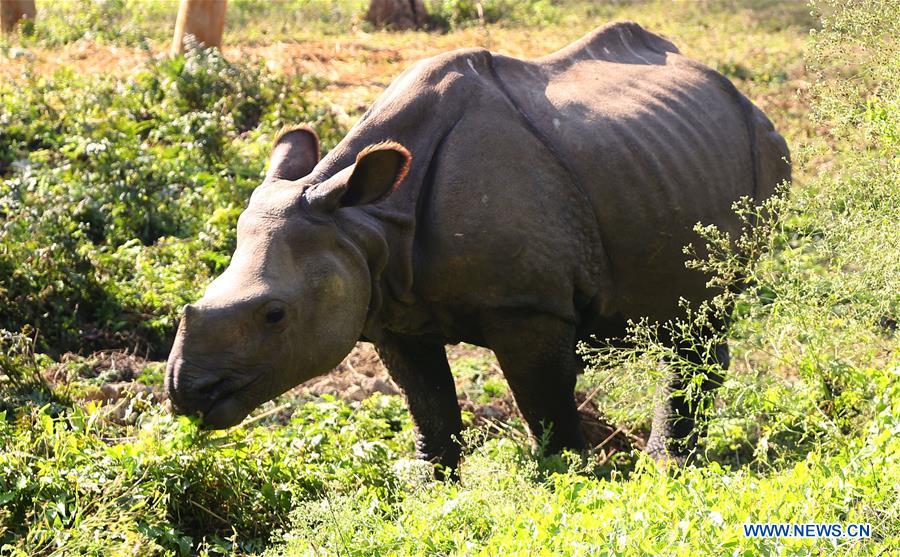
pixel 295 297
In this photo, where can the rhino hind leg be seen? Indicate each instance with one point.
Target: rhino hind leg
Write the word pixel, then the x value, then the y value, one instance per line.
pixel 678 418
pixel 420 369
pixel 537 356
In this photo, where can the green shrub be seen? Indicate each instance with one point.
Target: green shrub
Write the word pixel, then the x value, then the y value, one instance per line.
pixel 506 506
pixel 120 196
pixel 81 480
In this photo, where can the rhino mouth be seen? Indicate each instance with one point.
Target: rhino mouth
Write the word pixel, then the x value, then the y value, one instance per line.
pixel 226 412
pixel 231 408
pixel 220 403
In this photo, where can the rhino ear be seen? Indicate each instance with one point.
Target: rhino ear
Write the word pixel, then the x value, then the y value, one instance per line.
pixel 378 171
pixel 295 154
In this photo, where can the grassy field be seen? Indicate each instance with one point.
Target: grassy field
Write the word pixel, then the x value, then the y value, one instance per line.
pixel 122 173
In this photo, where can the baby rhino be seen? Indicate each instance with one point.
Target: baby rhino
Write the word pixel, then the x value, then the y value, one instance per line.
pixel 518 205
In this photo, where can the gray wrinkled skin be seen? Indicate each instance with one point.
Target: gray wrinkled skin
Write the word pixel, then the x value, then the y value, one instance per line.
pixel 517 205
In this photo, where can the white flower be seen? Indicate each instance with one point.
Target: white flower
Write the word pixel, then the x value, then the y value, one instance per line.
pixel 716 518
pixel 449 506
pixel 94 147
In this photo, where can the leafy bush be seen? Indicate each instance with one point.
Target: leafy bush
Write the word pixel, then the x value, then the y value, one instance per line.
pixel 108 186
pixel 507 507
pixel 79 481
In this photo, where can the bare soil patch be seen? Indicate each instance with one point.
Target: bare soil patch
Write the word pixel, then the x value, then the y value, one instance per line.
pixel 358 377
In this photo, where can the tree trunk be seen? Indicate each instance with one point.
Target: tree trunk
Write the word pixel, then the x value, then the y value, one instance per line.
pixel 204 19
pixel 12 11
pixel 399 15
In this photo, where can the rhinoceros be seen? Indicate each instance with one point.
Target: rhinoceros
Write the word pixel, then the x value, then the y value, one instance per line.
pixel 521 206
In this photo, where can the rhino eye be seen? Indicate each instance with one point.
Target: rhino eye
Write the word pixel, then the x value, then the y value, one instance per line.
pixel 274 315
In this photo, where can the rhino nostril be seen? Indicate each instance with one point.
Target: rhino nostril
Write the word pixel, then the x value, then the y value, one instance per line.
pixel 190 388
pixel 209 386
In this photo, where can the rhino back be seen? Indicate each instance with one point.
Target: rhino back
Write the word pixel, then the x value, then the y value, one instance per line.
pixel 656 141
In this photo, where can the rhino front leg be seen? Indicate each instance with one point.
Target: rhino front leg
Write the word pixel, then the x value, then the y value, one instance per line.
pixel 678 416
pixel 420 368
pixel 537 355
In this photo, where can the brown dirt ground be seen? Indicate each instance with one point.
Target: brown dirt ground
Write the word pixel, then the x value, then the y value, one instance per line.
pixel 362 374
pixel 359 376
pixel 357 67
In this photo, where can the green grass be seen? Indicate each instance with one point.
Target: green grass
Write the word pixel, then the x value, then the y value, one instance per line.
pixel 507 505
pixel 119 195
